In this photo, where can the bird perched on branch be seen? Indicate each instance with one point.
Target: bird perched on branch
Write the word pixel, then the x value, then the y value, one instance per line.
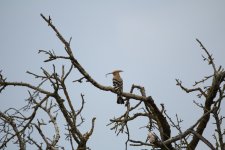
pixel 152 137
pixel 118 85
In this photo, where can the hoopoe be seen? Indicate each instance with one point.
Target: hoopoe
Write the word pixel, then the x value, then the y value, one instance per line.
pixel 118 85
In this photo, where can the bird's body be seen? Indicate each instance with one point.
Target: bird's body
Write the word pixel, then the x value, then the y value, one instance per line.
pixel 152 137
pixel 118 85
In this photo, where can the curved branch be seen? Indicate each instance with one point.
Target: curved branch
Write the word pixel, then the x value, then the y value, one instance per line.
pixel 82 70
pixel 24 85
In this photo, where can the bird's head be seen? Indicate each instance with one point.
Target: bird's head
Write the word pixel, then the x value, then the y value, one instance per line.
pixel 115 72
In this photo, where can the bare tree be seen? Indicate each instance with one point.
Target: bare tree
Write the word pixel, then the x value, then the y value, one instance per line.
pixel 18 127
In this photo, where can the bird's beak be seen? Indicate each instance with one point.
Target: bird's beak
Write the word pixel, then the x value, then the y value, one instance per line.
pixel 108 74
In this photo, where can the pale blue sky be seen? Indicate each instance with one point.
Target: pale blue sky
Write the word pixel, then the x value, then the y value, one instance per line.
pixel 152 41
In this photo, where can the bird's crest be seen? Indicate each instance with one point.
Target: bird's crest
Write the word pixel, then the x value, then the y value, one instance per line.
pixel 115 71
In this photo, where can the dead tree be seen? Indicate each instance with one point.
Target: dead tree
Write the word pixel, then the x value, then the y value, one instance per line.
pixel 17 127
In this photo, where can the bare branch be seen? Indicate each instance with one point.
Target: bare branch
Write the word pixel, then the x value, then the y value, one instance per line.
pixel 203 139
pixel 203 80
pixel 24 85
pixel 52 55
pixel 179 83
pixel 209 59
pixel 79 80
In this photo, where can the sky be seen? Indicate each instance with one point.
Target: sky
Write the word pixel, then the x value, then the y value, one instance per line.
pixel 152 41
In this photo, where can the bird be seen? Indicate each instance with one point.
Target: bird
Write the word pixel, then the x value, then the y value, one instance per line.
pixel 152 137
pixel 118 85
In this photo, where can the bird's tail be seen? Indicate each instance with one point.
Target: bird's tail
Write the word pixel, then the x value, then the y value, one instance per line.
pixel 120 99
